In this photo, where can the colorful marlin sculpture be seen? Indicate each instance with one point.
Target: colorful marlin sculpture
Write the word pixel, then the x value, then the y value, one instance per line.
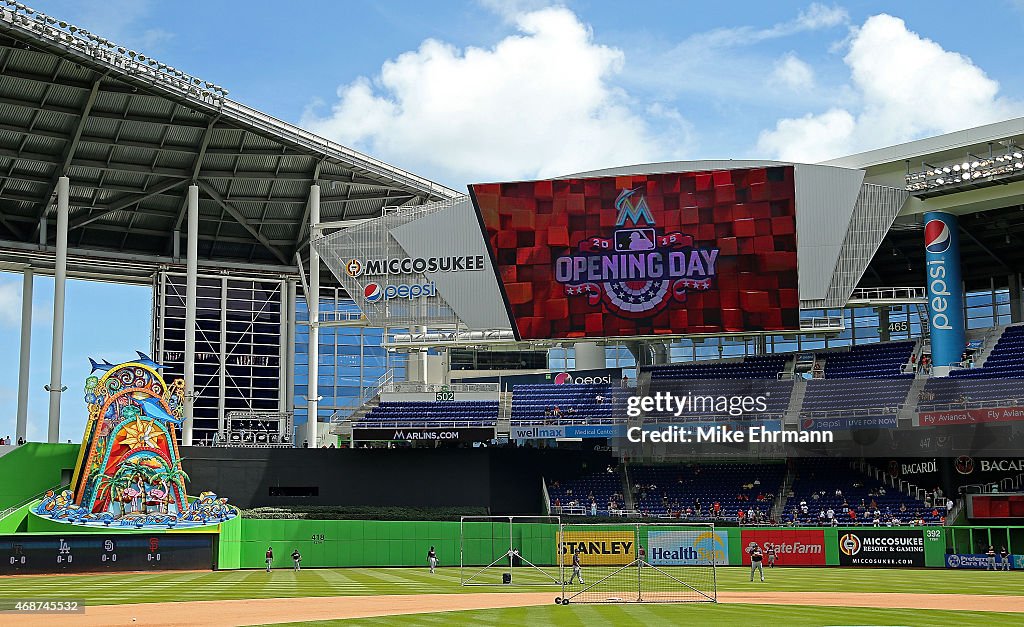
pixel 129 471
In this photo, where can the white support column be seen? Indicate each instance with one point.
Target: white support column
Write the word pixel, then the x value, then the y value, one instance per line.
pixel 26 353
pixel 222 374
pixel 191 282
pixel 312 389
pixel 289 372
pixel 416 369
pixel 590 355
pixel 60 276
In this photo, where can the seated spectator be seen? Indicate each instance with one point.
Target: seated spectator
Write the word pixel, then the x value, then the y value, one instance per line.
pixel 903 507
pixel 821 516
pixel 599 399
pixel 557 412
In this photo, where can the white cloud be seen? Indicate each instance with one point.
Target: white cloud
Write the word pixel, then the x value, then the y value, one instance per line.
pixel 814 17
pixel 818 16
pixel 792 73
pixel 906 87
pixel 540 102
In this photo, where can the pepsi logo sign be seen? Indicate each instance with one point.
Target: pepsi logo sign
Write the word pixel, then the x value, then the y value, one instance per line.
pixel 936 236
pixel 372 292
pixel 564 378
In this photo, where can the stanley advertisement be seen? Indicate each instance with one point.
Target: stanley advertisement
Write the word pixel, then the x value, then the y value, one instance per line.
pixel 599 547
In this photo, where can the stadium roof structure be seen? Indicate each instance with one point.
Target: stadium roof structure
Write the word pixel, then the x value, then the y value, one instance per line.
pixel 990 209
pixel 132 134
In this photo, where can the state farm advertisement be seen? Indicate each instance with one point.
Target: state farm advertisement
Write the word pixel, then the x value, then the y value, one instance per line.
pixel 793 547
pixel 656 254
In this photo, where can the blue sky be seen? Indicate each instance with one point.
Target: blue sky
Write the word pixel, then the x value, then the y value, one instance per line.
pixel 484 90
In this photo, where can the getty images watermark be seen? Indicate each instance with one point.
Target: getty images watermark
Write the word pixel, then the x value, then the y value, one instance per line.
pixel 698 407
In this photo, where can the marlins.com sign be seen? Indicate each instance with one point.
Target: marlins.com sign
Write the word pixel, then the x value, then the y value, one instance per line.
pixel 599 547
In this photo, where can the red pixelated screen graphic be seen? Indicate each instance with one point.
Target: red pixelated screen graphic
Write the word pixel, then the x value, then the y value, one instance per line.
pixel 654 254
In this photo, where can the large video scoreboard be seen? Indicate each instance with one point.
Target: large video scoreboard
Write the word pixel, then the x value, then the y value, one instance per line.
pixel 98 552
pixel 653 254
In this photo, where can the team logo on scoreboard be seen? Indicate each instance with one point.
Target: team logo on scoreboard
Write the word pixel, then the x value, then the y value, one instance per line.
pixel 638 271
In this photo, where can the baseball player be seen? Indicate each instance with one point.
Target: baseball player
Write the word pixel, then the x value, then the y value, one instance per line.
pixel 642 554
pixel 297 559
pixel 771 553
pixel 577 571
pixel 1004 555
pixel 991 555
pixel 270 557
pixel 756 558
pixel 432 559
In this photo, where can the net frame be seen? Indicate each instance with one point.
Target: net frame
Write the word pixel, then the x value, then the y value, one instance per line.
pixel 471 575
pixel 641 566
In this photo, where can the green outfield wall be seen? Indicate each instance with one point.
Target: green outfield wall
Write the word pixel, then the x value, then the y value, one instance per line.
pixel 340 543
pixel 33 468
pixel 344 543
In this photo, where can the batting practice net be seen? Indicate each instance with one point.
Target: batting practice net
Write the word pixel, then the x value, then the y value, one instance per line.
pixel 509 550
pixel 640 563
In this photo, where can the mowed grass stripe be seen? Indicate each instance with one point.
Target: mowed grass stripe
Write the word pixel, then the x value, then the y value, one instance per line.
pixel 692 614
pixel 107 588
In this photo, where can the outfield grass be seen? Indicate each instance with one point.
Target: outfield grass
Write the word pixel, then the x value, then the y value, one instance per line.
pixel 694 614
pixel 103 589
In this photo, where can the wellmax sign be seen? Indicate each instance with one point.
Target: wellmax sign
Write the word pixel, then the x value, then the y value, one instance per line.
pixel 547 432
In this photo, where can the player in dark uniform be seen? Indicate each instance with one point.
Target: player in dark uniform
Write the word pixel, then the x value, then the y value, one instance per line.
pixel 577 571
pixel 990 556
pixel 771 553
pixel 642 554
pixel 432 559
pixel 756 559
pixel 1004 555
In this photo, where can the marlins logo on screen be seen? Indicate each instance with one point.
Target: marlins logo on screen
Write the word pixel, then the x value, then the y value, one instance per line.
pixel 936 236
pixel 638 271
